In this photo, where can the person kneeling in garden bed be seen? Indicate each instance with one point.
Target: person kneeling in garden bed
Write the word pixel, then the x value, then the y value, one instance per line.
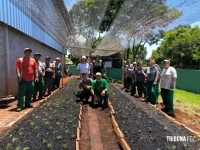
pixel 100 91
pixel 84 90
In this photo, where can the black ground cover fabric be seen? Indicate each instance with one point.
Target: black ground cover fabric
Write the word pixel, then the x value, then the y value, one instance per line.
pixel 145 128
pixel 51 126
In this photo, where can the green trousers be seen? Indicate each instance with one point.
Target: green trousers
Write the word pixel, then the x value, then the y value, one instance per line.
pixel 26 89
pixel 56 82
pixel 141 88
pixel 152 94
pixel 100 98
pixel 39 86
pixel 168 98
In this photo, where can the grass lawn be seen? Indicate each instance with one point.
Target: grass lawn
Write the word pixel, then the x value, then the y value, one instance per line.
pixel 186 101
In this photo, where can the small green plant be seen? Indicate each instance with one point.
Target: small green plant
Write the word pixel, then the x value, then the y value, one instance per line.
pixel 26 148
pixel 65 146
pixel 49 145
pixel 59 137
pixel 14 140
pixel 9 146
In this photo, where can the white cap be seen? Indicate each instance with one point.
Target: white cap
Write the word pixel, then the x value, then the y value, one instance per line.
pixel 83 57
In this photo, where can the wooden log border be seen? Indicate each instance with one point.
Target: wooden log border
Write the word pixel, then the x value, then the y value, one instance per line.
pixel 117 130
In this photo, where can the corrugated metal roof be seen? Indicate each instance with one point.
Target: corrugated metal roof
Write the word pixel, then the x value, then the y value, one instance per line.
pixel 12 16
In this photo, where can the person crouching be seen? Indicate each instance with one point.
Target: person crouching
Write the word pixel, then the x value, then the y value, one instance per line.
pixel 100 91
pixel 84 90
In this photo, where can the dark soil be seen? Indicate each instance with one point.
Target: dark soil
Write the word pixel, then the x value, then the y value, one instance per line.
pixel 51 126
pixel 145 128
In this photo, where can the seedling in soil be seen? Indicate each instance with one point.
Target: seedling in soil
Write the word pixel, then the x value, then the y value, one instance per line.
pixel 49 145
pixel 70 121
pixel 26 148
pixel 67 131
pixel 65 146
pixel 32 123
pixel 18 148
pixel 14 140
pixel 36 127
pixel 44 141
pixel 9 146
pixel 47 123
pixel 55 132
pixel 59 137
pixel 72 136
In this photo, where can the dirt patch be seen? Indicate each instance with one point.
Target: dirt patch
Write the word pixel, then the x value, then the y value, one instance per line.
pixel 190 120
pixel 144 127
pixel 97 124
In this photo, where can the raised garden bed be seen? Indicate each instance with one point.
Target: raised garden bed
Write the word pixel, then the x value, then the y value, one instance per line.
pixel 144 127
pixel 53 125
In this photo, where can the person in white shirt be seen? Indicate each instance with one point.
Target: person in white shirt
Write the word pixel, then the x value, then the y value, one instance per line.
pixel 83 67
pixel 167 85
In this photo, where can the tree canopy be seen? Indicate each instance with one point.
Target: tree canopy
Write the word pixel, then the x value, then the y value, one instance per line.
pixel 181 46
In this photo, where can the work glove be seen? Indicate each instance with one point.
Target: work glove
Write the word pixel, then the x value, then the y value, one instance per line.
pixel 36 80
pixel 155 82
pixel 172 85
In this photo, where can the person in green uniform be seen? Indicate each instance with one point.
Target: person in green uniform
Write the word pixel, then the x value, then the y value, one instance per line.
pixel 152 78
pixel 84 89
pixel 39 86
pixel 140 80
pixel 100 91
pixel 27 72
pixel 167 85
pixel 58 74
pixel 98 66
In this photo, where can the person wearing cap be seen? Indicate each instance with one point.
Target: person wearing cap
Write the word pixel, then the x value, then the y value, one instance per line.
pixel 27 72
pixel 58 73
pixel 49 75
pixel 152 82
pixel 128 77
pixel 98 66
pixel 133 84
pixel 167 85
pixel 83 67
pixel 100 91
pixel 39 86
pixel 84 89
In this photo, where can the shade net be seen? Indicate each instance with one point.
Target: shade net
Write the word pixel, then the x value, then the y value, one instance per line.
pixel 78 28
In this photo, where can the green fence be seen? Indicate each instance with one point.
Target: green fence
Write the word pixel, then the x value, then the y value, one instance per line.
pixel 115 73
pixel 188 80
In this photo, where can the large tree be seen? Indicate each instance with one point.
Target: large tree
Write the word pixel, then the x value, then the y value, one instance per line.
pixel 180 45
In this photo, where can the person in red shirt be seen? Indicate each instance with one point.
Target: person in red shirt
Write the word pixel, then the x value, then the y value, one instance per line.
pixel 27 72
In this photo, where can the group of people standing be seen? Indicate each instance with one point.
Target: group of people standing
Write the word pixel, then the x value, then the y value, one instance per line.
pixel 93 86
pixel 36 78
pixel 147 81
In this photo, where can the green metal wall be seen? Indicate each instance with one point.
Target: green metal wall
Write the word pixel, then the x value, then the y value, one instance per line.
pixel 188 80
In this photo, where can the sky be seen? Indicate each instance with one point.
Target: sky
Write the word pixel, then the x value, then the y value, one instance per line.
pixel 190 15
